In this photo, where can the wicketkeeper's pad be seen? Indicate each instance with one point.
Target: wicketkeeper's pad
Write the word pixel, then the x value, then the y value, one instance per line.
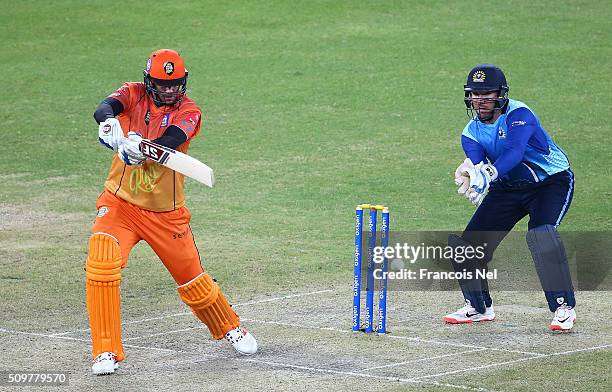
pixel 551 264
pixel 474 289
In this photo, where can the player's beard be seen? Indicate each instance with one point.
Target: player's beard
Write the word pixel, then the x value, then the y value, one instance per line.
pixel 169 99
pixel 485 116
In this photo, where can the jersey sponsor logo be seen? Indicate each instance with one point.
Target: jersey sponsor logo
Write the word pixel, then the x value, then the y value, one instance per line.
pixel 147 117
pixel 144 178
pixel 169 68
pixel 479 77
pixel 102 211
pixel 182 235
pixel 518 123
pixel 165 120
pixel 191 122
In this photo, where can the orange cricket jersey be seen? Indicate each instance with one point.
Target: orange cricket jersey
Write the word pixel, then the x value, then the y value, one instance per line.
pixel 151 186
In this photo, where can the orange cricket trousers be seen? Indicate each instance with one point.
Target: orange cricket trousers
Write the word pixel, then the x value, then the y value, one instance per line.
pixel 168 234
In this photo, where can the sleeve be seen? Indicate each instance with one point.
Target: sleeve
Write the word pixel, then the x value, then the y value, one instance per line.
pixel 522 124
pixel 108 108
pixel 189 122
pixel 473 149
pixel 173 137
pixel 125 95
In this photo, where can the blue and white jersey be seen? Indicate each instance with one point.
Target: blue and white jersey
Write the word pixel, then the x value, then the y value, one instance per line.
pixel 517 145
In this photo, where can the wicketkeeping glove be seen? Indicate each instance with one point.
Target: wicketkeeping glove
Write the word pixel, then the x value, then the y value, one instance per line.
pixel 462 177
pixel 481 177
pixel 129 149
pixel 110 133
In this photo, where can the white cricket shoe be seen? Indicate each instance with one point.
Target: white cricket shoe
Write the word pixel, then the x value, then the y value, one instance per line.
pixel 564 319
pixel 468 314
pixel 105 363
pixel 242 340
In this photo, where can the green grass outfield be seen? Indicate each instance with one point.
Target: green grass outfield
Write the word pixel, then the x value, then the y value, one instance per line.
pixel 311 107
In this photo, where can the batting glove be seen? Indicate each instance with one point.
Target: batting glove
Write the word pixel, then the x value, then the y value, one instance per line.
pixel 110 133
pixel 129 149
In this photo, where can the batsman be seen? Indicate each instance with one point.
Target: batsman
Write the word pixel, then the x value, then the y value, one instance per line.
pixel 513 169
pixel 144 201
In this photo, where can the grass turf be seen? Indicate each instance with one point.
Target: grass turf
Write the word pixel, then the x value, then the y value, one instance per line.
pixel 311 108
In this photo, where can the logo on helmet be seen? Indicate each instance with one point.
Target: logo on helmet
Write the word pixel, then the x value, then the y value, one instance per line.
pixel 479 77
pixel 148 69
pixel 169 68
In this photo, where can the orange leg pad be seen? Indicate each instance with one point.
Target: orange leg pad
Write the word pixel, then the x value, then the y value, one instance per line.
pixel 207 302
pixel 103 273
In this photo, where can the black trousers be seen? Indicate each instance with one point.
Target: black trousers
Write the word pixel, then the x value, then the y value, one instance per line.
pixel 546 203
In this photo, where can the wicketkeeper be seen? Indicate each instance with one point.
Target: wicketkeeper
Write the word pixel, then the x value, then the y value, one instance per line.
pixel 145 201
pixel 513 169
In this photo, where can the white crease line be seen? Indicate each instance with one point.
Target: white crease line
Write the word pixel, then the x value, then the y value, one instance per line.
pixel 234 305
pixel 41 334
pixel 505 350
pixel 510 362
pixel 289 296
pixel 55 335
pixel 217 357
pixel 156 318
pixel 164 333
pixel 414 339
pixel 295 325
pixel 320 370
pixel 212 356
pixel 464 387
pixel 408 380
pixel 417 339
pixel 125 345
pixel 285 297
pixel 169 350
pixel 242 319
pixel 421 359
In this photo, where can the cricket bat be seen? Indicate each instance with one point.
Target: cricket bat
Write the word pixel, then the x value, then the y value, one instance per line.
pixel 178 161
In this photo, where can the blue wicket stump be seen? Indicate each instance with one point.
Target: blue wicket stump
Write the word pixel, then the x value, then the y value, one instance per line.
pixel 370 281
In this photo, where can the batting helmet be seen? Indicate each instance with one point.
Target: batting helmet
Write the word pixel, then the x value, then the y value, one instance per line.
pixel 484 78
pixel 165 68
